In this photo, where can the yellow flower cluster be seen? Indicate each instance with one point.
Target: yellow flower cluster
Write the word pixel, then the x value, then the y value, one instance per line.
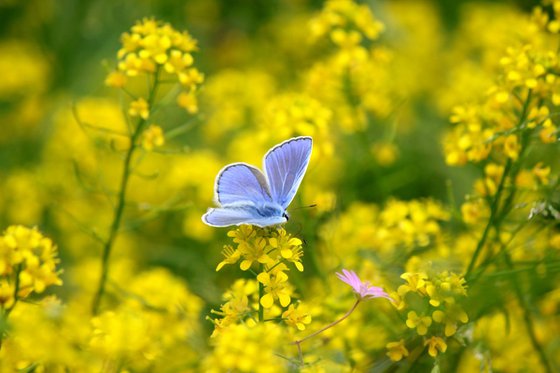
pixel 526 84
pixel 346 23
pixel 152 137
pixel 247 348
pixel 28 263
pixel 267 252
pixel 500 335
pixel 242 303
pixel 156 322
pixel 155 48
pixel 240 306
pixel 399 226
pixel 271 247
pixel 432 306
pixel 353 79
pixel 291 115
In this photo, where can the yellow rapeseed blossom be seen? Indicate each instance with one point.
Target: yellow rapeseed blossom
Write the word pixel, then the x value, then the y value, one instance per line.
pixel 139 108
pixel 297 316
pixel 428 298
pixel 396 350
pixel 274 288
pixel 152 47
pixel 28 260
pixel 239 307
pixel 265 246
pixel 420 323
pixel 116 79
pixel 338 15
pixel 452 315
pixel 188 101
pixel 400 225
pixel 152 137
pixel 244 348
pixel 41 337
pixel 435 345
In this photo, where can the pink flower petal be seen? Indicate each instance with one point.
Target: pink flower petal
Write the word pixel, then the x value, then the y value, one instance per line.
pixel 363 289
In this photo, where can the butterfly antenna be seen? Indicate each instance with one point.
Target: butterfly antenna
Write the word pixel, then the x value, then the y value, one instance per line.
pixel 305 207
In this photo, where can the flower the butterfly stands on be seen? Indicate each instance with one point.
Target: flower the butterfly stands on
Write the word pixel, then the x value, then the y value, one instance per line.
pixel 245 195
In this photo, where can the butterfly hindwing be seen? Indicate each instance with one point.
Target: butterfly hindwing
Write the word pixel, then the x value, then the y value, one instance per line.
pixel 240 213
pixel 285 166
pixel 241 182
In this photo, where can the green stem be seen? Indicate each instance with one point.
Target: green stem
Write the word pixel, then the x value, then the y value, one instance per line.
pixel 527 316
pixel 121 202
pixel 261 294
pixel 6 313
pixel 491 220
pixel 495 214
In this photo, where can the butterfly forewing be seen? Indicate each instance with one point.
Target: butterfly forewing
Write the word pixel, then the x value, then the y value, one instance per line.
pixel 285 166
pixel 241 182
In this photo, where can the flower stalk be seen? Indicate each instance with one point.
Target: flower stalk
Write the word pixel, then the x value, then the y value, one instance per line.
pixel 345 316
pixel 496 213
pixel 121 200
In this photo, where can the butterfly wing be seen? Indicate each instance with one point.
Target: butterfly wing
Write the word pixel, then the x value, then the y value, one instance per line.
pixel 239 182
pixel 285 166
pixel 240 213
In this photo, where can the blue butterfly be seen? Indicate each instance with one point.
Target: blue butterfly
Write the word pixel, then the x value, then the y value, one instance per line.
pixel 247 196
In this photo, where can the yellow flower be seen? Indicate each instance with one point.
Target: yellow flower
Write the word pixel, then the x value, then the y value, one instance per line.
pixel 254 251
pixel 139 108
pixel 416 282
pixel 154 47
pixel 231 257
pixel 474 211
pixel 297 317
pixel 512 147
pixel 7 291
pixel 548 134
pixel 385 153
pixel 542 173
pixel 152 137
pixel 450 317
pixel 274 288
pixel 246 348
pixel 421 323
pixel 178 61
pixel 188 101
pixel 238 307
pixel 289 247
pixel 26 253
pixel 116 79
pixel 396 350
pixel 434 344
pixel 190 78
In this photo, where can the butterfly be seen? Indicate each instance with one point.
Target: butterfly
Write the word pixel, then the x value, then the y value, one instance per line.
pixel 247 196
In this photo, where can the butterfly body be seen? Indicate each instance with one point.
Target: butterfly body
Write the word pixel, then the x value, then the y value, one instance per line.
pixel 245 195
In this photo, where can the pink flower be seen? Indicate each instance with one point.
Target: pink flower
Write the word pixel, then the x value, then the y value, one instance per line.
pixel 363 289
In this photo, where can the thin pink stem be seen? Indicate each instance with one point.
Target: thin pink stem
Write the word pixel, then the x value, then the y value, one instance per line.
pixel 298 342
